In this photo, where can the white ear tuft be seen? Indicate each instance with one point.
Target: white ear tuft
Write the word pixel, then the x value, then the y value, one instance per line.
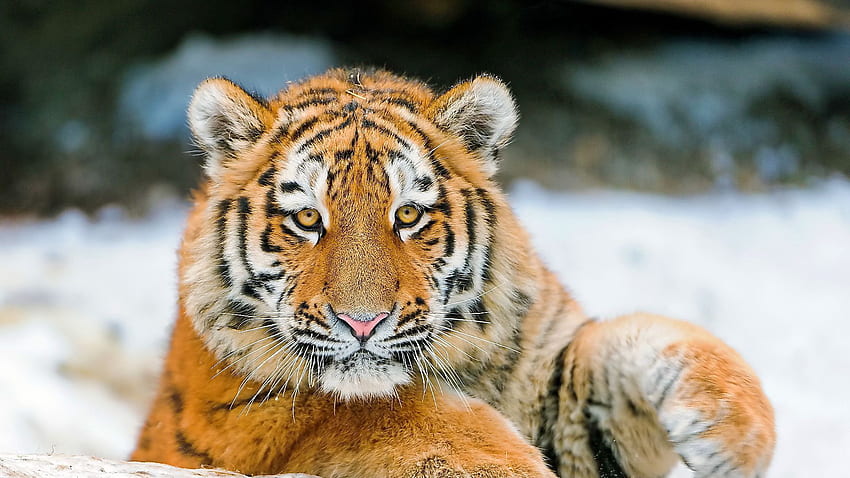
pixel 225 120
pixel 482 113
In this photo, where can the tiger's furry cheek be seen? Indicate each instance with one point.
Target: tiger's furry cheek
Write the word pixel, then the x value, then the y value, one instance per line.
pixel 482 114
pixel 226 121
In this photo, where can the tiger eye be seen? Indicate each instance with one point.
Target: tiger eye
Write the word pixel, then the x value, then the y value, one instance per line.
pixel 307 218
pixel 407 215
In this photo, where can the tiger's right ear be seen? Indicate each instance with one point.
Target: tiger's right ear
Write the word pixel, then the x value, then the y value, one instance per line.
pixel 225 121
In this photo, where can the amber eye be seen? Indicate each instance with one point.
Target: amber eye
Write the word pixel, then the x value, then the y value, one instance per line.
pixel 407 215
pixel 307 219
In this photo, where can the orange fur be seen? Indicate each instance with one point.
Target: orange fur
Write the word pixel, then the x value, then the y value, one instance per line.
pixel 482 350
pixel 199 420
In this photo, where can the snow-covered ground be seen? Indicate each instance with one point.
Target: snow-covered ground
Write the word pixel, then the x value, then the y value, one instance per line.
pixel 85 304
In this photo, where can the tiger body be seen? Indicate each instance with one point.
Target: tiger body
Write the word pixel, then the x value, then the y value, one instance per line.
pixel 358 299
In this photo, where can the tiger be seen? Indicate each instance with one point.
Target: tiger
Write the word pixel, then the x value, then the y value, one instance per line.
pixel 357 299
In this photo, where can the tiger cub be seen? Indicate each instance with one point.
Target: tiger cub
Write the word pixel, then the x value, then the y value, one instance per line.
pixel 356 299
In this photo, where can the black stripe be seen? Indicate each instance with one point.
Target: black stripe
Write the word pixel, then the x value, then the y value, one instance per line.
pixel 313 334
pixel 290 187
pixel 187 448
pixel 454 317
pixel 318 92
pixel 350 107
pixel 257 399
pixel 282 131
pixel 175 398
pixel 331 179
pixel 313 158
pixel 309 102
pixel 344 155
pixel 423 183
pixel 249 287
pixel 522 302
pixel 491 220
pixel 294 235
pixel 667 388
pixel 442 203
pixel 401 102
pixel 221 226
pixel 479 313
pixel 239 314
pixel 390 92
pixel 570 385
pixel 426 140
pixel 408 317
pixel 450 242
pixel 489 206
pixel 419 329
pixel 265 241
pixel 321 134
pixel 466 279
pixel 435 161
pixel 606 462
pixel 372 154
pixel 244 213
pixel 271 206
pixel 511 358
pixel 438 167
pixel 551 411
pixel 303 127
pixel 450 284
pixel 423 230
pixel 267 177
pixel 369 124
pixel 470 216
pixel 443 207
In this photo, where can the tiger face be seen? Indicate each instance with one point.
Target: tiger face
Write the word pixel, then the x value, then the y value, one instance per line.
pixel 349 227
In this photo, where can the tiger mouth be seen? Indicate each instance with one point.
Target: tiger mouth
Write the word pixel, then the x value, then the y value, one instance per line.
pixel 362 356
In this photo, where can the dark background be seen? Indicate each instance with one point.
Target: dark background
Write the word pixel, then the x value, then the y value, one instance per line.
pixel 661 99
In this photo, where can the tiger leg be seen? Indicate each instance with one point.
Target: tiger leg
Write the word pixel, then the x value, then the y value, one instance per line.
pixel 646 390
pixel 417 436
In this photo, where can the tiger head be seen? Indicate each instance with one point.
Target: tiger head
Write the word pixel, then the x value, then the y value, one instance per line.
pixel 350 236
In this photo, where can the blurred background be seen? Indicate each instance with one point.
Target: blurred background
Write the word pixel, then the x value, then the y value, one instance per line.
pixel 687 158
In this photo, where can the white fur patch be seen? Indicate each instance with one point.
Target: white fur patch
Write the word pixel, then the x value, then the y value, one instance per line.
pixel 223 121
pixel 484 115
pixel 363 378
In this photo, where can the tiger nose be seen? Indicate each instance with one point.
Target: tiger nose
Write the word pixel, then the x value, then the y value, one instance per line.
pixel 363 325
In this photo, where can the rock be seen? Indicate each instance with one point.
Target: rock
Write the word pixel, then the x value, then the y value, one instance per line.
pixel 70 466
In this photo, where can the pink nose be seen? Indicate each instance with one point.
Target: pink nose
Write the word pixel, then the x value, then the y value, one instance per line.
pixel 363 326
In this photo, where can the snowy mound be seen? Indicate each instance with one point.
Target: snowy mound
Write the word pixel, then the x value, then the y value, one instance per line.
pixel 85 304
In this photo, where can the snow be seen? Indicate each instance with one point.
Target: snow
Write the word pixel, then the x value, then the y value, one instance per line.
pixel 86 303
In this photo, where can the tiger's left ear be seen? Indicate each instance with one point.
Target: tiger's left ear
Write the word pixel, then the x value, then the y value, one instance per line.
pixel 226 121
pixel 482 113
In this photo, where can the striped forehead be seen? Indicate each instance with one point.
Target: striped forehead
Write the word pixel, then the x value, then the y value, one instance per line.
pixel 354 153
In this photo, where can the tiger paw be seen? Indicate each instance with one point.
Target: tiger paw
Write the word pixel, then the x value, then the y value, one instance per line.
pixel 713 408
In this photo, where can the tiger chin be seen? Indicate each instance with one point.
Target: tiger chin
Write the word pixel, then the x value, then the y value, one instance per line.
pixel 357 299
